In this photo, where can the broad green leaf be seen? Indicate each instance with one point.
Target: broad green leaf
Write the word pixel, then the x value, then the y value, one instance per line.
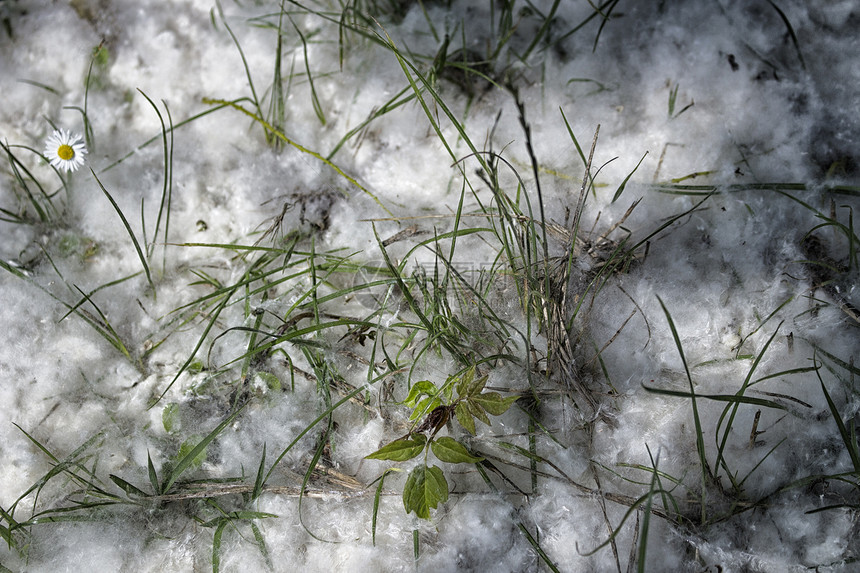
pixel 477 411
pixel 477 386
pixel 424 407
pixel 465 381
pixel 400 450
pixel 170 417
pixel 419 389
pixel 464 417
pixel 451 451
pixel 424 489
pixel 271 381
pixel 469 385
pixel 493 402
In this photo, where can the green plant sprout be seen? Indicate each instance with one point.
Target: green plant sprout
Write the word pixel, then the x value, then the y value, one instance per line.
pixel 432 409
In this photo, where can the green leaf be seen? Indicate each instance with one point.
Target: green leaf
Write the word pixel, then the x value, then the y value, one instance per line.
pixel 621 187
pixel 191 457
pixel 477 411
pixel 465 380
pixel 425 406
pixel 153 476
pixel 376 501
pixel 493 402
pixel 424 489
pixel 477 386
pixel 216 544
pixel 170 417
pixel 451 451
pixel 400 450
pixel 127 487
pixel 419 389
pixel 271 381
pixel 469 385
pixel 464 417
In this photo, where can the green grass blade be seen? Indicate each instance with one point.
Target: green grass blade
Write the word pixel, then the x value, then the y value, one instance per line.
pixel 258 482
pixel 153 476
pixel 314 98
pixel 376 498
pixel 309 427
pixel 128 488
pixel 791 33
pixel 734 407
pixel 646 517
pixel 700 441
pixel 167 188
pixel 848 438
pixel 623 185
pixel 254 97
pixel 538 549
pixel 128 229
pixel 184 463
pixel 200 341
pixel 280 135
pixel 731 398
pixel 261 545
pixel 216 544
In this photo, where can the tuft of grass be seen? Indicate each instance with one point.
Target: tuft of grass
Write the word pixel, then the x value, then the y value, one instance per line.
pixel 31 194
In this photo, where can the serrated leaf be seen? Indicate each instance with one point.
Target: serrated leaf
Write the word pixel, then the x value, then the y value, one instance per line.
pixel 477 411
pixel 425 406
pixel 425 488
pixel 451 451
pixel 464 417
pixel 419 389
pixel 400 450
pixel 494 403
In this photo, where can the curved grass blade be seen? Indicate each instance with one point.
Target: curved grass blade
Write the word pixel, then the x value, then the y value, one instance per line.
pixel 128 229
pixel 280 135
pixel 734 408
pixel 700 441
pixel 849 438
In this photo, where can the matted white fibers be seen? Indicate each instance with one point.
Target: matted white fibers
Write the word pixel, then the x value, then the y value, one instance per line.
pixel 717 256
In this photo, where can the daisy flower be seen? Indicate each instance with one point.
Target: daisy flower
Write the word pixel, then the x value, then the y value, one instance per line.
pixel 65 150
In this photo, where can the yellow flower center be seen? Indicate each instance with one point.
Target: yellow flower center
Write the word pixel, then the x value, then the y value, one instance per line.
pixel 65 152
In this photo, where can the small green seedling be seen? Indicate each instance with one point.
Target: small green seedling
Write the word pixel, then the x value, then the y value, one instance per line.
pixel 432 409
